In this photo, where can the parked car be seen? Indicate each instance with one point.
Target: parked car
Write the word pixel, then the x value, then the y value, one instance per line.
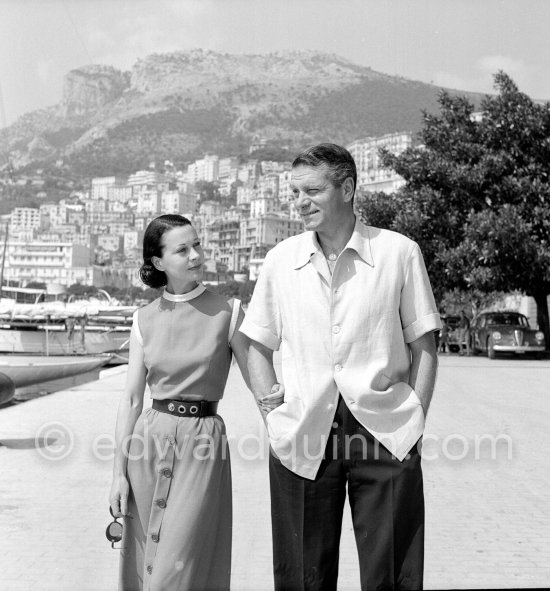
pixel 505 332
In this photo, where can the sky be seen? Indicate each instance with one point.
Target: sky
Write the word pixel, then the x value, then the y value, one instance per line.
pixel 458 44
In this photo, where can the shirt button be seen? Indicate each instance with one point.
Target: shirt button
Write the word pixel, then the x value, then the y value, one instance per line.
pixel 155 537
pixel 161 503
pixel 149 569
pixel 338 367
pixel 166 472
pixel 335 329
pixel 334 425
pixel 330 406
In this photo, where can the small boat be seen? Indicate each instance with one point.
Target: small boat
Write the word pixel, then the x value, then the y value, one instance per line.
pixel 39 338
pixel 42 328
pixel 17 371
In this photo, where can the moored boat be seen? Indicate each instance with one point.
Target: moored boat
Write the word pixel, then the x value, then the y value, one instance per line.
pixel 17 371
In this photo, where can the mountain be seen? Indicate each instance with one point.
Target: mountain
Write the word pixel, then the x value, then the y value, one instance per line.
pixel 179 106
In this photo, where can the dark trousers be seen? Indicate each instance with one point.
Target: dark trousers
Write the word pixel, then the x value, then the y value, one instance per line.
pixel 387 507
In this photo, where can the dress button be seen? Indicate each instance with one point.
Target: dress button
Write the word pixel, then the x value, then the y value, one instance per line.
pixel 155 537
pixel 338 367
pixel 161 503
pixel 336 329
pixel 149 569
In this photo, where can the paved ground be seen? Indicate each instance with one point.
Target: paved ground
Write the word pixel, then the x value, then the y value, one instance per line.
pixel 488 522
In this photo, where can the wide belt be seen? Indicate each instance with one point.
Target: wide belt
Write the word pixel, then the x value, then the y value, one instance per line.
pixel 179 408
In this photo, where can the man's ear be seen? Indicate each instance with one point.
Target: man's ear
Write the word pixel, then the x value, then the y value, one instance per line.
pixel 157 263
pixel 348 187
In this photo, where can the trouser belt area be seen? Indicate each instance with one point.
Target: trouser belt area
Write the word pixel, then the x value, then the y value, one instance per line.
pixel 179 408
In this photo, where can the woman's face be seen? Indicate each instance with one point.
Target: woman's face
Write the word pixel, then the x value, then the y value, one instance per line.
pixel 182 259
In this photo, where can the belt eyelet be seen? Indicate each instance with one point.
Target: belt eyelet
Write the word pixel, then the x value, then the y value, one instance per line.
pixel 181 409
pixel 194 410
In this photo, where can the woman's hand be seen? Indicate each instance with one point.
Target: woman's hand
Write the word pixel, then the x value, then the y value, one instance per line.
pixel 274 399
pixel 118 499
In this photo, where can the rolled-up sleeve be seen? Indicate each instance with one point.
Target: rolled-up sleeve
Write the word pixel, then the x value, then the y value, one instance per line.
pixel 262 322
pixel 418 310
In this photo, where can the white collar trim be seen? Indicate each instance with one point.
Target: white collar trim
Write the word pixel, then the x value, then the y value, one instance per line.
pixel 184 297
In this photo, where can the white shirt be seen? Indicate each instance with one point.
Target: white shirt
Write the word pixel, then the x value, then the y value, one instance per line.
pixel 347 333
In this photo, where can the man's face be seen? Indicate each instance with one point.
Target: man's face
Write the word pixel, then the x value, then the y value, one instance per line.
pixel 320 204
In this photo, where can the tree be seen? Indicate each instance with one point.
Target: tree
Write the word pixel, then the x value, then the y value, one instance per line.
pixel 477 194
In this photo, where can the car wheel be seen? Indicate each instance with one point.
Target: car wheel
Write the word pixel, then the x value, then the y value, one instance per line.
pixel 490 351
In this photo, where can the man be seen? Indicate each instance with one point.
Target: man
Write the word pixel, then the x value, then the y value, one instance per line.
pixel 353 309
pixel 463 333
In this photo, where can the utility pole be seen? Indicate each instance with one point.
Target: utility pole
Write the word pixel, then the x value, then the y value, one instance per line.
pixel 6 229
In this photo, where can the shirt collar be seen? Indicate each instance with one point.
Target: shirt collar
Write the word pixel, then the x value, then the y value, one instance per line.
pixel 184 297
pixel 359 241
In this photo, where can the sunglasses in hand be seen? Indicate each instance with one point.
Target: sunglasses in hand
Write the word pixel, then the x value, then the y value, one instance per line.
pixel 114 530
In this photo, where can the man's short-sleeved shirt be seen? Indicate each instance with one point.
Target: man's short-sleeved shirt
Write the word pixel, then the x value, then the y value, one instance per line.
pixel 343 334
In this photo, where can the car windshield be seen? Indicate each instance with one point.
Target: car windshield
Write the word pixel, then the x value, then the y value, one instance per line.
pixel 509 319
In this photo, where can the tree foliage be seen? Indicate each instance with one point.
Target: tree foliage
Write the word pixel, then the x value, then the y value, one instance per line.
pixel 477 194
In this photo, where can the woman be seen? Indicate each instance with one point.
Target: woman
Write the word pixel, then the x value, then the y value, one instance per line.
pixel 172 475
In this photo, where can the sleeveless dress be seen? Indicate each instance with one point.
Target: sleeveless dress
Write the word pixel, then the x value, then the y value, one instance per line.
pixel 179 536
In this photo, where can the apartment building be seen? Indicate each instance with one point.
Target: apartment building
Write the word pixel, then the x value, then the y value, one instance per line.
pixel 149 202
pixel 263 205
pixel 104 187
pixel 245 193
pixel 177 202
pixel 285 192
pixel 371 174
pixel 227 169
pixel 205 169
pixel 249 171
pixel 49 262
pixel 94 205
pixel 25 218
pixel 268 230
pixel 110 217
pixel 52 215
pixel 119 194
pixel 223 238
pixel 110 242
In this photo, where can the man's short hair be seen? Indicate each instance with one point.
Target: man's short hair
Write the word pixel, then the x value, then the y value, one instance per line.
pixel 336 158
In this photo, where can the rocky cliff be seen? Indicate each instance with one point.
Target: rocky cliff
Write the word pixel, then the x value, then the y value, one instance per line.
pixel 89 88
pixel 180 105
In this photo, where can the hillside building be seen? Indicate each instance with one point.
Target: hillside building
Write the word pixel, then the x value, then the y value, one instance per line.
pixel 371 174
pixel 25 218
pixel 178 202
pixel 106 187
pixel 49 262
pixel 205 169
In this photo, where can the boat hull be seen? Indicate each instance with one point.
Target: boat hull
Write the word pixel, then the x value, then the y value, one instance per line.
pixel 26 370
pixel 55 342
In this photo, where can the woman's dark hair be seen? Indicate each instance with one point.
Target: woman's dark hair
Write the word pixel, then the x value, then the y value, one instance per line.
pixel 152 247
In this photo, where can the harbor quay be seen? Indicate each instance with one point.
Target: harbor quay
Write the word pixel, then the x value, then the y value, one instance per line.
pixel 487 483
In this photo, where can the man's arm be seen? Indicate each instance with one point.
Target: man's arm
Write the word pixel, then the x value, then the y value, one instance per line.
pixel 423 368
